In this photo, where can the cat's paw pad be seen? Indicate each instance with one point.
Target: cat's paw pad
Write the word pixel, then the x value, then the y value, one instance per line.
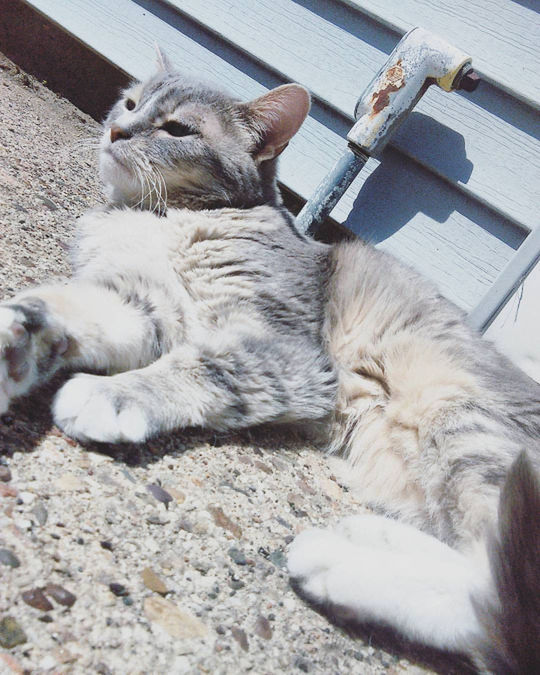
pixel 15 357
pixel 89 409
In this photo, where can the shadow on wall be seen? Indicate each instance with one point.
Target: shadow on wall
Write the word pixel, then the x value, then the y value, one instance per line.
pixel 68 68
pixel 398 189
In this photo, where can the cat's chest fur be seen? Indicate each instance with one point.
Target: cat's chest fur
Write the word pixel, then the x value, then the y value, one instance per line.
pixel 204 264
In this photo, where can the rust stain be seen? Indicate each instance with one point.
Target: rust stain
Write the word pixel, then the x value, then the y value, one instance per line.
pixel 393 80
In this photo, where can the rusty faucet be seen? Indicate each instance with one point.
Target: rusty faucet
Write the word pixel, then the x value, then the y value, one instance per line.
pixel 419 60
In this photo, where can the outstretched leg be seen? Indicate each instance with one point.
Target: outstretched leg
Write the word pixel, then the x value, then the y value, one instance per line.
pixel 383 571
pixel 78 325
pixel 230 381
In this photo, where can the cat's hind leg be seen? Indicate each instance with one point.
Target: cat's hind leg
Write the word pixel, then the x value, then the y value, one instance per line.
pixel 382 571
pixel 77 325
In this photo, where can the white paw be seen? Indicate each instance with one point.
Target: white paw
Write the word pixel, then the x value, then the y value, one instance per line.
pixel 88 408
pixel 313 555
pixel 16 366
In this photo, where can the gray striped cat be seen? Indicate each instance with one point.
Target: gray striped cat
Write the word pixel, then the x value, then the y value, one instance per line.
pixel 199 304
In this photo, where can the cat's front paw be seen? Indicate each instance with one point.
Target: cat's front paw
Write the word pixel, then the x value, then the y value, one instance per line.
pixel 17 364
pixel 90 408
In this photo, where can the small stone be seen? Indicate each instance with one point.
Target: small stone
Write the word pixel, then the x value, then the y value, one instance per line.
pixel 220 630
pixel 263 628
pixel 60 594
pixel 128 601
pixel 153 582
pixel 160 494
pixel 48 203
pixel 155 519
pixel 331 488
pixel 237 556
pixel 8 558
pixel 240 636
pixel 68 482
pixel 106 545
pixel 102 669
pixel 236 584
pixel 201 566
pixel 48 662
pixel 278 558
pixel 221 519
pixel 118 589
pixel 302 664
pixel 128 476
pixel 27 497
pixel 185 524
pixel 36 598
pixel 178 495
pixel 63 655
pixel 262 466
pixel 5 474
pixel 41 513
pixel 8 491
pixel 46 618
pixel 177 623
pixel 11 634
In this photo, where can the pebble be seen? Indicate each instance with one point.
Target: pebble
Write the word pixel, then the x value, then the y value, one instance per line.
pixel 278 558
pixel 153 582
pixel 221 519
pixel 5 474
pixel 201 566
pixel 302 664
pixel 8 491
pixel 177 623
pixel 68 482
pixel 118 589
pixel 155 519
pixel 263 628
pixel 237 556
pixel 160 494
pixel 106 545
pixel 8 558
pixel 178 495
pixel 60 594
pixel 240 636
pixel 27 497
pixel 11 634
pixel 35 598
pixel 41 513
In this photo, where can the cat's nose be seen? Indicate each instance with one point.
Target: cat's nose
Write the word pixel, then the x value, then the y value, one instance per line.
pixel 118 132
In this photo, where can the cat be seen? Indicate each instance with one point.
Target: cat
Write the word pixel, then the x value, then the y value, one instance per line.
pixel 195 301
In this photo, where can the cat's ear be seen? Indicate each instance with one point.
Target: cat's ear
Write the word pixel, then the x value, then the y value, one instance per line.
pixel 163 62
pixel 276 117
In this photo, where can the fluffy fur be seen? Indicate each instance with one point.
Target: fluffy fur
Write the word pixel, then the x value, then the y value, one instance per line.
pixel 200 304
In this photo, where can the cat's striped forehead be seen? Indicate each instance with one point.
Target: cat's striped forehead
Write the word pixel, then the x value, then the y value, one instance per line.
pixel 166 92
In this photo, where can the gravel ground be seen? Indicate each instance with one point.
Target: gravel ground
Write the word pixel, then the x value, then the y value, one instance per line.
pixel 162 558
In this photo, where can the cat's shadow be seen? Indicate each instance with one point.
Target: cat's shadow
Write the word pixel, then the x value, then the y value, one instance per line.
pixel 29 421
pixel 390 642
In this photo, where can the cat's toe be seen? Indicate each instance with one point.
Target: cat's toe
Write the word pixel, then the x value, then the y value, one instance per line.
pixel 87 408
pixel 314 551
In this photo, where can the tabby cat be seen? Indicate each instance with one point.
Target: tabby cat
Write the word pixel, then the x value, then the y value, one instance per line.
pixel 199 303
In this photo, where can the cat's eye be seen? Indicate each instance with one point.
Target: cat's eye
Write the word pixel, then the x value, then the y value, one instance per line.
pixel 178 129
pixel 130 103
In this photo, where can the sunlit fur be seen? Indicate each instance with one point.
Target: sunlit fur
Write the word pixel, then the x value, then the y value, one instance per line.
pixel 201 305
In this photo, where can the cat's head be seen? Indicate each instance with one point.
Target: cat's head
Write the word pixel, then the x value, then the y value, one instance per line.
pixel 175 141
